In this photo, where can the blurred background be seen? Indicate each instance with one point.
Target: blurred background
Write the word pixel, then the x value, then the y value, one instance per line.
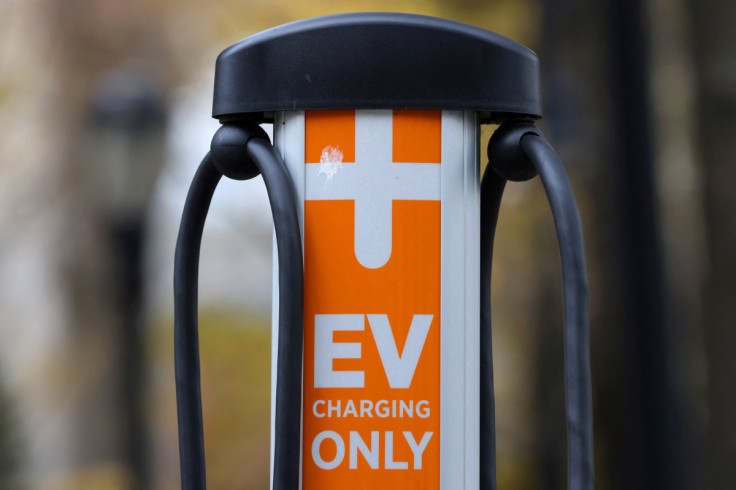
pixel 104 116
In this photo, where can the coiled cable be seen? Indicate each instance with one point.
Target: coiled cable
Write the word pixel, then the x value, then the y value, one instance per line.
pixel 518 151
pixel 240 152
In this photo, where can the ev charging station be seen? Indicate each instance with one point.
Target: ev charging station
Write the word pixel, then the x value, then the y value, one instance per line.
pixel 382 365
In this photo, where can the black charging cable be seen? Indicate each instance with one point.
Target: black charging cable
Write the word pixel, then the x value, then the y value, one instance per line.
pixel 240 152
pixel 517 152
pixel 491 192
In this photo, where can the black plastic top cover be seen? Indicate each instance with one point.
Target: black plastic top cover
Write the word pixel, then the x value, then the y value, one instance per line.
pixel 376 61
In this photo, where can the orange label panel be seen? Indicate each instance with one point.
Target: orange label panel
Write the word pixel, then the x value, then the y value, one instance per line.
pixel 371 416
pixel 417 136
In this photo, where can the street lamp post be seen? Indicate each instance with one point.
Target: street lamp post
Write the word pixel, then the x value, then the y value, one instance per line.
pixel 127 126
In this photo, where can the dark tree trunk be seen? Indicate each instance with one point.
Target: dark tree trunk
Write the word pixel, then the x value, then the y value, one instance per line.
pixel 714 39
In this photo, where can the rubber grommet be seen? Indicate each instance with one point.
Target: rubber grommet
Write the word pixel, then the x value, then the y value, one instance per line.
pixel 504 152
pixel 229 150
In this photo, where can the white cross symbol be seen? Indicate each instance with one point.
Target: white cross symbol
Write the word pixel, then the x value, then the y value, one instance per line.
pixel 374 182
